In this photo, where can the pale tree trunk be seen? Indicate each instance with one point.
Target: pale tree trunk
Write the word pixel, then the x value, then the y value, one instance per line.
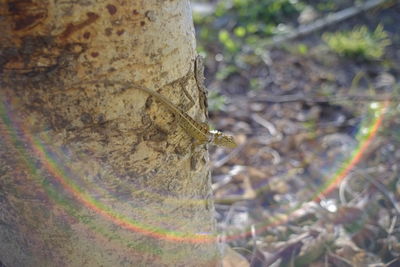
pixel 94 172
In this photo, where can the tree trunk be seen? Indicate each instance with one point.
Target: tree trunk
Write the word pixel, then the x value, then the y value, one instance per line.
pixel 94 172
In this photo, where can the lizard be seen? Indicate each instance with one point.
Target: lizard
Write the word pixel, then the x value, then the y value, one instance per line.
pixel 198 130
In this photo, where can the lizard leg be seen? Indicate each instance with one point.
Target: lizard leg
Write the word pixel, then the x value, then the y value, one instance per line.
pixel 202 89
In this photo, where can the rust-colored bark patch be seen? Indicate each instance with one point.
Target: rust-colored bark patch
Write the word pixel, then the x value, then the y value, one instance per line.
pixel 142 23
pixel 71 28
pixel 26 14
pixel 35 54
pixel 120 32
pixel 28 21
pixel 111 9
pixel 135 12
pixel 94 54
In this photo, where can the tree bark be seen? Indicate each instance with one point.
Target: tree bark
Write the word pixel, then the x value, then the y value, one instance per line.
pixel 94 172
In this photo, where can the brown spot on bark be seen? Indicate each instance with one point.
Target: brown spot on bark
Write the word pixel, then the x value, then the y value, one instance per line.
pixel 101 118
pixel 94 54
pixel 135 12
pixel 86 35
pixel 71 28
pixel 86 118
pixel 142 23
pixel 120 32
pixel 108 31
pixel 111 9
pixel 150 15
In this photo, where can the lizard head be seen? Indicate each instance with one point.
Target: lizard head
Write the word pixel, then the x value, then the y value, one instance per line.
pixel 224 140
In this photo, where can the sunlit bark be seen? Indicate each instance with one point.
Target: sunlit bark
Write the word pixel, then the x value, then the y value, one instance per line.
pixel 94 172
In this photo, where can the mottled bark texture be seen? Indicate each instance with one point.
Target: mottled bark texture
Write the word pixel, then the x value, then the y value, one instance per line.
pixel 94 172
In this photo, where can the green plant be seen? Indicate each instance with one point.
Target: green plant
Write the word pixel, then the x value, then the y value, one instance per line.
pixel 302 49
pixel 239 26
pixel 216 101
pixel 359 43
pixel 236 24
pixel 224 72
pixel 257 16
pixel 227 41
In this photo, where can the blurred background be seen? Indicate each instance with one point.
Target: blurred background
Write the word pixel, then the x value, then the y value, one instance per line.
pixel 310 90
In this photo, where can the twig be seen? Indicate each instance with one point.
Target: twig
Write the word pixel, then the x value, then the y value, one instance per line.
pixel 266 124
pixel 389 196
pixel 324 99
pixel 329 20
pixel 392 225
pixel 218 163
pixel 366 174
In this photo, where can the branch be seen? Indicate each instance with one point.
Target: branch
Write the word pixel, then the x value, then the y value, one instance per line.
pixel 329 20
